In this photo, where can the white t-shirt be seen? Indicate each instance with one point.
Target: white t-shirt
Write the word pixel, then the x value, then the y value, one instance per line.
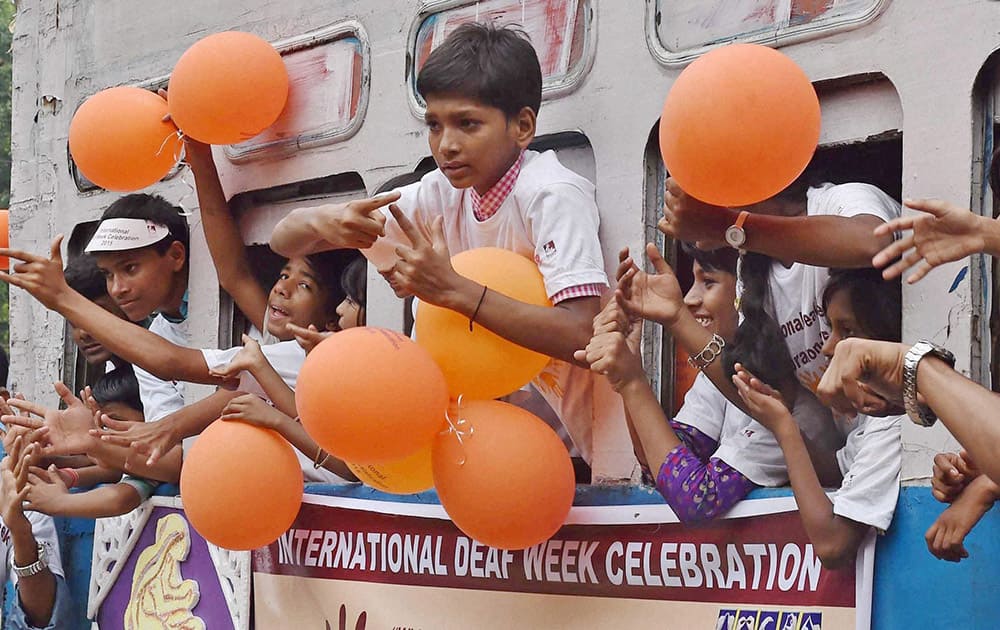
pixel 870 462
pixel 797 291
pixel 44 530
pixel 550 216
pixel 161 398
pixel 286 357
pixel 744 443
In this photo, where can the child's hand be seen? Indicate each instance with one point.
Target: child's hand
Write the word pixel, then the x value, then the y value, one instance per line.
pixel 946 537
pixel 13 483
pixel 423 270
pixel 46 491
pixel 249 359
pixel 608 354
pixel 613 318
pixel 308 338
pixel 655 296
pixel 355 224
pixel 153 439
pixel 59 431
pixel 946 233
pixel 688 219
pixel 763 402
pixel 252 409
pixel 42 277
pixel 952 472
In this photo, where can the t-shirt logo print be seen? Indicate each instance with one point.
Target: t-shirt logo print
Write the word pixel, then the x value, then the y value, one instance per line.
pixel 549 249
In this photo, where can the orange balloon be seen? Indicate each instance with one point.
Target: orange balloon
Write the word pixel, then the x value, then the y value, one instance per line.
pixel 227 88
pixel 4 237
pixel 370 396
pixel 241 485
pixel 739 125
pixel 509 482
pixel 409 475
pixel 119 141
pixel 480 364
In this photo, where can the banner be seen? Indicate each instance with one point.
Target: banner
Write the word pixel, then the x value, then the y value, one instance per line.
pixel 352 564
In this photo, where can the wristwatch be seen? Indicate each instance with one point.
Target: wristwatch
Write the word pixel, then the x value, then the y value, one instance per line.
pixel 920 414
pixel 35 567
pixel 736 236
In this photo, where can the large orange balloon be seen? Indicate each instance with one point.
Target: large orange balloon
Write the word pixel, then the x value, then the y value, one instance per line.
pixel 405 476
pixel 228 87
pixel 509 482
pixel 119 141
pixel 369 396
pixel 480 364
pixel 4 237
pixel 241 485
pixel 739 125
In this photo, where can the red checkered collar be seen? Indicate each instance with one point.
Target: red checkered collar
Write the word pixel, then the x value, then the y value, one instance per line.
pixel 486 205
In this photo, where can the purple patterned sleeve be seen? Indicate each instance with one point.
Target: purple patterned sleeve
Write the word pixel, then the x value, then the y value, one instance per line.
pixel 699 491
pixel 700 444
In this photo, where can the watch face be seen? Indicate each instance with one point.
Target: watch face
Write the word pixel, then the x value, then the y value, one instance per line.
pixel 736 236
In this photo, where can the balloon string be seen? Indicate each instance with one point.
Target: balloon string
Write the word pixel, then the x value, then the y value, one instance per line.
pixel 456 427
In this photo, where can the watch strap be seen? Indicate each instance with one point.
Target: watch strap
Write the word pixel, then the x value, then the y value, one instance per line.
pixel 919 413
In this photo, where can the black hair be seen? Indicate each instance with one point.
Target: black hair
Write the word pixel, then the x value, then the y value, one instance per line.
pixel 722 259
pixel 118 386
pixel 4 367
pixel 758 343
pixel 156 209
pixel 84 277
pixel 328 267
pixel 354 282
pixel 877 303
pixel 494 65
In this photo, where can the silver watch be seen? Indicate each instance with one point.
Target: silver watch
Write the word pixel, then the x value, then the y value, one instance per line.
pixel 35 567
pixel 920 414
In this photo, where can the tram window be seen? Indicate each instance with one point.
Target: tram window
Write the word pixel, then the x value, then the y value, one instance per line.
pixel 257 212
pixel 559 30
pixel 878 161
pixel 327 93
pixel 679 30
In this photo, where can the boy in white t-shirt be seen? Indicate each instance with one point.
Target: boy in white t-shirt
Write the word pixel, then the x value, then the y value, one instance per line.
pixel 482 87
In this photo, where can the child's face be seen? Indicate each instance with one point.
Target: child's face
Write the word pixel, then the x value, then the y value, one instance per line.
pixel 141 281
pixel 297 297
pixel 474 144
pixel 350 314
pixel 121 411
pixel 711 300
pixel 93 352
pixel 843 324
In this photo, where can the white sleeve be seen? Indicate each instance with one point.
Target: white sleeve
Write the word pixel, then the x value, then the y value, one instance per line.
pixel 870 488
pixel 159 398
pixel 853 199
pixel 755 452
pixel 704 408
pixel 563 222
pixel 216 359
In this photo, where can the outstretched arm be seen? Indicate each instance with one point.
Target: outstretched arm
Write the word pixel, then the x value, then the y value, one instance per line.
pixel 941 233
pixel 822 241
pixel 425 270
pixel 252 359
pixel 835 538
pixel 946 537
pixel 43 278
pixel 968 410
pixel 351 225
pixel 223 235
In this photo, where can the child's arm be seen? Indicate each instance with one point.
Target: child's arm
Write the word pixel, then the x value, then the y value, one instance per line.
pixel 155 439
pixel 951 474
pixel 223 236
pixel 835 538
pixel 425 271
pixel 822 241
pixel 48 494
pixel 351 225
pixel 252 359
pixel 252 409
pixel 696 490
pixel 44 279
pixel 946 537
pixel 90 476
